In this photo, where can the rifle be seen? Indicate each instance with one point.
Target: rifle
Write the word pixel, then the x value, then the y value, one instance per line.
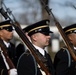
pixel 65 38
pixel 25 40
pixel 5 55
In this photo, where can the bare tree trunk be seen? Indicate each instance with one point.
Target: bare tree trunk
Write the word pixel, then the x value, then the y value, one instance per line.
pixel 44 12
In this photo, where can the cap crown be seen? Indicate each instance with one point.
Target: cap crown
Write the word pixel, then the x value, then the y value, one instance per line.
pixel 70 29
pixel 6 25
pixel 41 26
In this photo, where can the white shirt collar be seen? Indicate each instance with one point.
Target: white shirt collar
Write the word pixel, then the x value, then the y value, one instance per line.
pixel 74 48
pixel 40 50
pixel 7 44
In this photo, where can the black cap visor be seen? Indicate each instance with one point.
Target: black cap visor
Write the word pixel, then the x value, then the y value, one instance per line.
pixel 9 28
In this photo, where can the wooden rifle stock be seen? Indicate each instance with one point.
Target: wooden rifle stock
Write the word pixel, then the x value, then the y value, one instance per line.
pixel 25 40
pixel 8 60
pixel 65 38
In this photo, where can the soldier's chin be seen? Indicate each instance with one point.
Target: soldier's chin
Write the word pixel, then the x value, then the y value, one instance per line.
pixel 46 45
pixel 10 38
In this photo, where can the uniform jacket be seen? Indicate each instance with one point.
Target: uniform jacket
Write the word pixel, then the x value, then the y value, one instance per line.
pixel 27 65
pixel 12 55
pixel 61 64
pixel 19 50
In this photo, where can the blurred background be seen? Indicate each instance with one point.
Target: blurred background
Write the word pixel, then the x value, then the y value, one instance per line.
pixel 27 12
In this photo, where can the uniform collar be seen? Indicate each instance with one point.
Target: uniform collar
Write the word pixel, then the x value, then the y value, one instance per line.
pixel 40 50
pixel 7 44
pixel 74 48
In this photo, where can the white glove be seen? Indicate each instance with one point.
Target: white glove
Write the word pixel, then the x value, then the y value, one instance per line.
pixel 13 72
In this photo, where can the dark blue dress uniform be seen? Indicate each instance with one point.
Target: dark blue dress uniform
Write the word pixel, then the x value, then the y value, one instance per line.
pixel 61 64
pixel 27 64
pixel 11 51
pixel 20 48
pixel 64 64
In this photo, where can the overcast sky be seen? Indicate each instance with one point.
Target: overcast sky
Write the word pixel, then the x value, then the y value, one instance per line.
pixel 14 5
pixel 29 8
pixel 63 8
pixel 60 8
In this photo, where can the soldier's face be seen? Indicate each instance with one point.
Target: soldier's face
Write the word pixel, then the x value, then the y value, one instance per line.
pixel 6 35
pixel 72 38
pixel 41 40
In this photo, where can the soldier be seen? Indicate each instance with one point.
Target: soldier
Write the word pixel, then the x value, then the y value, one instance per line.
pixel 39 36
pixel 6 35
pixel 63 62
